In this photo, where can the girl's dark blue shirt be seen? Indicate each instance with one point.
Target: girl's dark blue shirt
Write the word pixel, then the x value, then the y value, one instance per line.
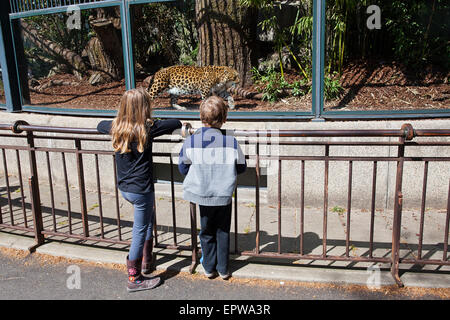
pixel 135 169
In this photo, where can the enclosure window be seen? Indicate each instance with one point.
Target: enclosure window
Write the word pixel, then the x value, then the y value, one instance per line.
pixel 72 61
pixel 387 56
pixel 381 59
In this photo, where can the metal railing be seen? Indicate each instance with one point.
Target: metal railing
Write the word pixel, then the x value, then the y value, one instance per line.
pixel 80 221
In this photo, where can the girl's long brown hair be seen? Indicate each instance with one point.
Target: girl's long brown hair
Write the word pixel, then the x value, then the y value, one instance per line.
pixel 132 121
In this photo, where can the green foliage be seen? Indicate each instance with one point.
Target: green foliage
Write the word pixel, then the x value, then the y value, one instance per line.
pixel 301 88
pixel 53 27
pixel 284 37
pixel 165 34
pixel 273 85
pixel 332 87
pixel 338 210
pixel 420 31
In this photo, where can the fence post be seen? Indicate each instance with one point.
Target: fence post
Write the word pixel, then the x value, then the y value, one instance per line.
pixel 398 203
pixel 81 185
pixel 34 187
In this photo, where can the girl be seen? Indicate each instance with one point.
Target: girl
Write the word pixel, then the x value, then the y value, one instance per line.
pixel 132 133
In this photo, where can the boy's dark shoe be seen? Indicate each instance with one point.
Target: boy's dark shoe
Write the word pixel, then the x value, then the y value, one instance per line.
pixel 210 275
pixel 147 259
pixel 225 276
pixel 136 281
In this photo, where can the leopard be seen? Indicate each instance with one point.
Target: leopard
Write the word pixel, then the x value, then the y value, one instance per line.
pixel 180 80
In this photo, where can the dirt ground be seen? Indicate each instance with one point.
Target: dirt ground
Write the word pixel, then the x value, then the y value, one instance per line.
pixel 366 86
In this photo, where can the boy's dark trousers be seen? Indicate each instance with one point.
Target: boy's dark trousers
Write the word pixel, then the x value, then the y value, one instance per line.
pixel 215 237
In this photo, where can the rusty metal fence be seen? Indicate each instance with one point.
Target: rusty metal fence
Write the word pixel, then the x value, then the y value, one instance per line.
pixel 78 224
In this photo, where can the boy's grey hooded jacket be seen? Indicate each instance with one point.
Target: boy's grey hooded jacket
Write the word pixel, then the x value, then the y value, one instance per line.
pixel 211 161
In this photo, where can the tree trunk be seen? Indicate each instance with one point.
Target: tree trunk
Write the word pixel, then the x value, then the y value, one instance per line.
pixel 226 34
pixel 105 49
pixel 61 54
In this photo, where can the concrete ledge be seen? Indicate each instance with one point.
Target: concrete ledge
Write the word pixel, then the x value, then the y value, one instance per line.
pixel 13 241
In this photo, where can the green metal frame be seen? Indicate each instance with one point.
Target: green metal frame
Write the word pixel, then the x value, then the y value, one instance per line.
pixel 318 64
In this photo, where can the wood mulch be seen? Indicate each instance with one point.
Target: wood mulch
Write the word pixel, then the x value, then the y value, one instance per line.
pixel 366 86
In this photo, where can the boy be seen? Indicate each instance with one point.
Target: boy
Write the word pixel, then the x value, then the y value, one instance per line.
pixel 211 161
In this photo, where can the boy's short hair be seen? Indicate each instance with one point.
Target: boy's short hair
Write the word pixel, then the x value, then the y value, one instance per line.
pixel 213 111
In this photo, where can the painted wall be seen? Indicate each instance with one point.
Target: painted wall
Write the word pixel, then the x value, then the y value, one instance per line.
pixel 438 179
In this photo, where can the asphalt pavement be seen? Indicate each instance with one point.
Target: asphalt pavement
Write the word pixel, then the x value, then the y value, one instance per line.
pixel 25 276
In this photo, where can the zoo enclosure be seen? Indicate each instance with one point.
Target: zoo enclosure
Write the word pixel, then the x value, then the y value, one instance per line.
pixel 43 224
pixel 14 10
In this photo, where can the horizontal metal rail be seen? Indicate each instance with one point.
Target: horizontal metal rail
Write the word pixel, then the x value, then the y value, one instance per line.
pixel 77 224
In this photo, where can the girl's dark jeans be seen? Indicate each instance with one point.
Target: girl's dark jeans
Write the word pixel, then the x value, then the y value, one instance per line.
pixel 143 221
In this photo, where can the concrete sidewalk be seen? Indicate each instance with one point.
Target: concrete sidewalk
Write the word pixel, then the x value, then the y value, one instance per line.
pixel 241 266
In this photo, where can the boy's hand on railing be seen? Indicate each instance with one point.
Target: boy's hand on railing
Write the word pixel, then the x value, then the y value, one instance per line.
pixel 186 129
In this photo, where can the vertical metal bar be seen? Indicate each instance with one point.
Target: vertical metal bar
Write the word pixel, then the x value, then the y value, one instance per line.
pixel 279 206
pixel 66 182
pixel 398 202
pixel 155 223
pixel 52 198
pixel 325 202
pixel 447 221
pixel 318 49
pixel 99 193
pixel 81 185
pixel 302 208
pixel 422 210
pixel 1 215
pixel 349 207
pixel 8 189
pixel 116 192
pixel 34 191
pixel 257 209
pixel 36 210
pixel 172 188
pixel 372 212
pixel 193 213
pixel 22 196
pixel 235 221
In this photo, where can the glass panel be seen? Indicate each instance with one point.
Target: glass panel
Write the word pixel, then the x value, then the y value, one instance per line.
pixel 171 33
pixel 163 35
pixel 73 60
pixel 387 55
